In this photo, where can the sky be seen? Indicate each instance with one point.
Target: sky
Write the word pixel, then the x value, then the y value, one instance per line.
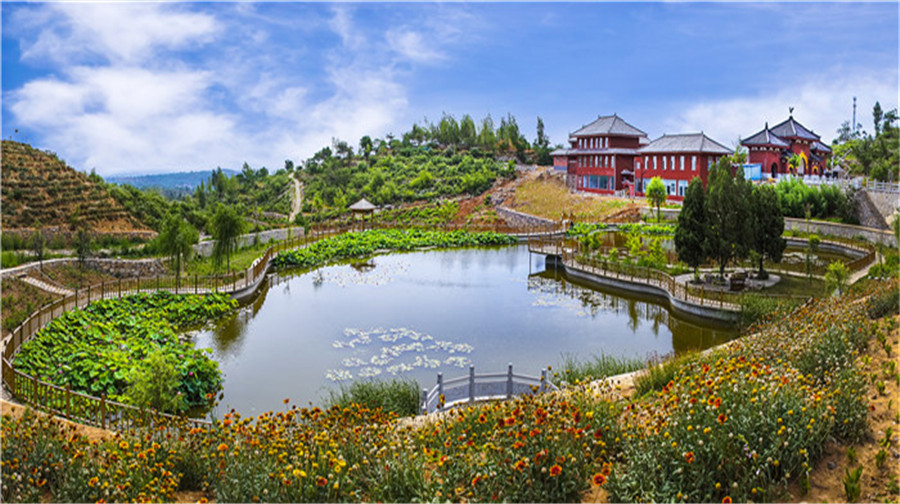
pixel 134 88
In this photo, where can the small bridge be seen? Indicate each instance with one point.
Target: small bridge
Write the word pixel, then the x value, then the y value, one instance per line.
pixel 484 387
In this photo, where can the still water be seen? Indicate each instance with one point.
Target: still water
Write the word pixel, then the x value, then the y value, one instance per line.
pixel 416 314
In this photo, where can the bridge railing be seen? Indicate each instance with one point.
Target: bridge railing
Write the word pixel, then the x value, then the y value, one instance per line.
pixel 473 388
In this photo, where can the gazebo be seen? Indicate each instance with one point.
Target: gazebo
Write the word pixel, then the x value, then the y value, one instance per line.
pixel 362 208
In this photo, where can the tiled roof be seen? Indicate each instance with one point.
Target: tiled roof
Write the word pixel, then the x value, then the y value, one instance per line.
pixel 560 152
pixel 609 125
pixel 819 146
pixel 362 205
pixel 765 137
pixel 791 128
pixel 689 142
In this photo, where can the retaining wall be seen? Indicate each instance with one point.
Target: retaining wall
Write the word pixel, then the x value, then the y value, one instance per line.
pixel 518 219
pixel 205 248
pixel 119 268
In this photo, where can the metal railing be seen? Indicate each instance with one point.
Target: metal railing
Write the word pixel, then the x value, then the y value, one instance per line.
pixel 473 388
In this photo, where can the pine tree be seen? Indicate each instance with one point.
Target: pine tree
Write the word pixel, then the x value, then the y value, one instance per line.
pixel 767 227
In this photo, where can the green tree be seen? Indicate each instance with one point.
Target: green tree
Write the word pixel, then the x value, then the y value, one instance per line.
pixel 727 214
pixel 690 234
pixel 365 146
pixel 176 239
pixel 84 245
pixel 227 226
pixel 877 117
pixel 155 384
pixel 836 277
pixel 656 195
pixel 767 226
pixel 467 131
pixel 38 245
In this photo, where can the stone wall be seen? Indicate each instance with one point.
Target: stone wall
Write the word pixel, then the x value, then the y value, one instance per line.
pixel 518 219
pixel 120 268
pixel 885 202
pixel 841 230
pixel 205 248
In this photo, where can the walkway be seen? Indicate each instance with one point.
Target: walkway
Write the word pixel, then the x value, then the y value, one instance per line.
pixel 297 200
pixel 46 287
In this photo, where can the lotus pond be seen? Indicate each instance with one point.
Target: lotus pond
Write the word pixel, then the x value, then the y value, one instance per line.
pixel 412 315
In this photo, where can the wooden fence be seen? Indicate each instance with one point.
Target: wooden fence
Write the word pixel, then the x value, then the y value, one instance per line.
pixel 473 387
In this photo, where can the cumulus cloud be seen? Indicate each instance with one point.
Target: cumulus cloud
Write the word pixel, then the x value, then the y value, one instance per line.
pixel 820 104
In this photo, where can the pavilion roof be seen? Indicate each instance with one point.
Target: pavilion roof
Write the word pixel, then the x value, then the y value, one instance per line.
pixel 609 125
pixel 819 146
pixel 687 142
pixel 362 205
pixel 765 137
pixel 791 128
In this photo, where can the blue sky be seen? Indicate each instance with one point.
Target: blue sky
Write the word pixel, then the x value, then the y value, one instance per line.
pixel 159 87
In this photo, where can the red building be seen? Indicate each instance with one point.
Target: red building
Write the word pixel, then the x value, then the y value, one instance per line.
pixel 600 158
pixel 677 159
pixel 773 147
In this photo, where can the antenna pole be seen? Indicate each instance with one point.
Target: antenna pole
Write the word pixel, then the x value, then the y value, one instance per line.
pixel 853 126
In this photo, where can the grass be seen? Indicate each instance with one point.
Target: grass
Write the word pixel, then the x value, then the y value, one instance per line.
pixel 660 373
pixel 576 371
pixel 240 260
pixel 399 396
pixel 550 198
pixel 19 301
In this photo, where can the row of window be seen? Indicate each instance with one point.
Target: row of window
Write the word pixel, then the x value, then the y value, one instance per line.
pixel 593 143
pixel 673 187
pixel 596 182
pixel 597 161
pixel 669 162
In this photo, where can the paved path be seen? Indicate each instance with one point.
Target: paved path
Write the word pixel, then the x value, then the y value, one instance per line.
pixel 47 287
pixel 297 199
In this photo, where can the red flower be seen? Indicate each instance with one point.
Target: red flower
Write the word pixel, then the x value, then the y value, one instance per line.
pixel 726 500
pixel 598 479
pixel 722 418
pixel 689 457
pixel 556 470
pixel 321 481
pixel 598 434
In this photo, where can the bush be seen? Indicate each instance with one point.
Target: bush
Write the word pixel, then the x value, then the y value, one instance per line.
pixel 155 383
pixel 397 396
pixel 884 303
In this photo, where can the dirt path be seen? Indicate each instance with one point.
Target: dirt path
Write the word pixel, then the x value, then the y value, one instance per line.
pixel 297 200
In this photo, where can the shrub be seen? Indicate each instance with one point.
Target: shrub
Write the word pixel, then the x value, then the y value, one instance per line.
pixel 885 302
pixel 394 396
pixel 155 383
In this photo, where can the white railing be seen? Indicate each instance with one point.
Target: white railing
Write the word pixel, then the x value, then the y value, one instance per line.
pixel 484 387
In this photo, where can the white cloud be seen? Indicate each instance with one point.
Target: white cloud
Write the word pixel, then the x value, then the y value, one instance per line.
pixel 113 31
pixel 413 46
pixel 820 104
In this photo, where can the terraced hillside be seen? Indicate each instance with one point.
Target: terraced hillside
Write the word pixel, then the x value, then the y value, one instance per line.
pixel 40 189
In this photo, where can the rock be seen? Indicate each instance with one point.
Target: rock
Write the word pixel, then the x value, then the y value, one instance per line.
pixel 831 465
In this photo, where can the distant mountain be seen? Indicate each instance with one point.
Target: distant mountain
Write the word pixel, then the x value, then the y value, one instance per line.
pixel 167 181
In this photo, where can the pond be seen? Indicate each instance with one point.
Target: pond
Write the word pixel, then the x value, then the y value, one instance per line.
pixel 416 314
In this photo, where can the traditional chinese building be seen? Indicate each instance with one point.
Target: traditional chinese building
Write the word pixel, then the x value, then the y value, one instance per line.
pixel 600 158
pixel 677 159
pixel 774 147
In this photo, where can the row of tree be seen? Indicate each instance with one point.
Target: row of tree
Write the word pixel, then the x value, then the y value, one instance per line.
pixel 729 220
pixel 873 155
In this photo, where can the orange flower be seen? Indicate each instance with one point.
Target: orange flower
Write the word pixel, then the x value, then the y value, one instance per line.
pixel 726 500
pixel 223 447
pixel 321 481
pixel 556 470
pixel 722 418
pixel 689 457
pixel 520 465
pixel 482 418
pixel 598 479
pixel 475 480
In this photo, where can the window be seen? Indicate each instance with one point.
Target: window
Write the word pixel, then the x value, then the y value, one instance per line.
pixel 693 163
pixel 665 163
pixel 681 167
pixel 655 162
pixel 647 162
pixel 606 142
pixel 673 162
pixel 613 161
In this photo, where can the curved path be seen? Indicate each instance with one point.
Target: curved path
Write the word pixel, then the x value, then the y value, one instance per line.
pixel 297 200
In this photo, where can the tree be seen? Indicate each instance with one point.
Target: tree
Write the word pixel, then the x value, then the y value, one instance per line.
pixel 836 277
pixel 365 146
pixel 877 117
pixel 767 226
pixel 690 234
pixel 542 145
pixel 226 227
pixel 467 134
pixel 176 239
pixel 84 244
pixel 726 211
pixel 656 194
pixel 38 245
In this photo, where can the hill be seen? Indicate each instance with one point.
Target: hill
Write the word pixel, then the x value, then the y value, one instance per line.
pixel 39 189
pixel 186 180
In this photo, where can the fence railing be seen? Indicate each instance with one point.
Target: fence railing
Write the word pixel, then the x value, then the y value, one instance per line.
pixel 473 388
pixel 99 411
